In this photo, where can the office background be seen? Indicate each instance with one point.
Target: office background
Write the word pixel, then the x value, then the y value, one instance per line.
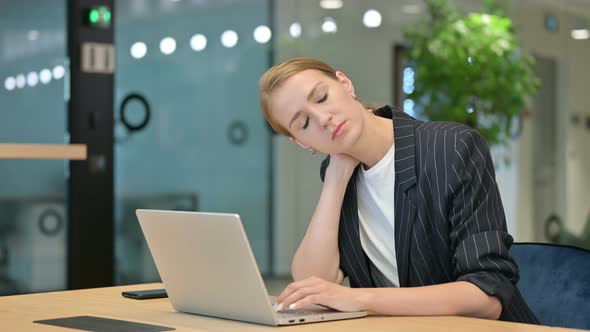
pixel 206 146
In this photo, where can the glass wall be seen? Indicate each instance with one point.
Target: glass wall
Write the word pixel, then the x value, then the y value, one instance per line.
pixel 33 219
pixel 205 146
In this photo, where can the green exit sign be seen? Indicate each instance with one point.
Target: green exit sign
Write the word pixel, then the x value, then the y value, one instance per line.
pixel 97 17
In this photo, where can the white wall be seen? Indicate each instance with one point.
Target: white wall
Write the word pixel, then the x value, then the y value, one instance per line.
pixel 366 56
pixel 573 67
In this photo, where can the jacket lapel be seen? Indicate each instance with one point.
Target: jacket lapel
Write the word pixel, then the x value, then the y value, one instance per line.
pixel 352 254
pixel 405 179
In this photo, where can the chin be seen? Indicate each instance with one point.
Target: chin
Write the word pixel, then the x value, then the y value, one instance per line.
pixel 350 139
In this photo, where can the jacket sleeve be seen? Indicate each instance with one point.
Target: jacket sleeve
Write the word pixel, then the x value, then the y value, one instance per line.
pixel 479 238
pixel 324 166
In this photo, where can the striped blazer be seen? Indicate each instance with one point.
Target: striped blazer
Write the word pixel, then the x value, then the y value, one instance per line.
pixel 449 219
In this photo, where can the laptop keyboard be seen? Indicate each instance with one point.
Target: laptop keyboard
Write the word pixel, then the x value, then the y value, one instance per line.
pixel 299 312
pixel 287 313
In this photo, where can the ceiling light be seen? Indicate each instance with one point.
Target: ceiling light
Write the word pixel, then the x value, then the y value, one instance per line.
pixel 331 4
pixel 580 34
pixel 329 25
pixel 411 9
pixel 372 18
pixel 295 30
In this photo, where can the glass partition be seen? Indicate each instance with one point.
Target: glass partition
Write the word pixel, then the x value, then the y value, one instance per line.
pixel 33 219
pixel 193 66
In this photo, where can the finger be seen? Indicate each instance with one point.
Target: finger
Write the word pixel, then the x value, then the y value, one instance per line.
pixel 298 295
pixel 310 299
pixel 294 286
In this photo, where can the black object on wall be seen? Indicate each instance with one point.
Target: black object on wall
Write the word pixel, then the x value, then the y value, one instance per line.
pixel 400 59
pixel 90 121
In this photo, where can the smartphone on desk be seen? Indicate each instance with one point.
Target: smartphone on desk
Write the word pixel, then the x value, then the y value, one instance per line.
pixel 145 294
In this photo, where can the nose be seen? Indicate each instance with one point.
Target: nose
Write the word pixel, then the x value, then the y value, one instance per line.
pixel 324 118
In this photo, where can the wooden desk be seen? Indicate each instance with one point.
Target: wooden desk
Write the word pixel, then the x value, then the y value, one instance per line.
pixel 17 313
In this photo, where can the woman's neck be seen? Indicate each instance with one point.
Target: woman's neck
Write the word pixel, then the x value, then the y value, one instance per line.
pixel 376 139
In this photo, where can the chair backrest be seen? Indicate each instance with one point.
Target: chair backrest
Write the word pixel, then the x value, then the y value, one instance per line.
pixel 555 283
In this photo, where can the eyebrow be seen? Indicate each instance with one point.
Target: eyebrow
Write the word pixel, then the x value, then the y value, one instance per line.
pixel 311 93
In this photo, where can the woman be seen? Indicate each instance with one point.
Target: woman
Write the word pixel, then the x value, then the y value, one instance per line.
pixel 409 210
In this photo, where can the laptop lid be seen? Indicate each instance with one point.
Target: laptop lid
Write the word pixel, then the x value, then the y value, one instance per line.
pixel 206 264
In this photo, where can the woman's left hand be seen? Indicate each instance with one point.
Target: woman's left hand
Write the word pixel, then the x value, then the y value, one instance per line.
pixel 314 290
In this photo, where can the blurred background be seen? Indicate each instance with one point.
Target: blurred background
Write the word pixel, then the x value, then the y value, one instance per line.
pixel 185 131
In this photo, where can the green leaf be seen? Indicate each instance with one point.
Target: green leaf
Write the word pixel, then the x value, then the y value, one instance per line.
pixel 470 60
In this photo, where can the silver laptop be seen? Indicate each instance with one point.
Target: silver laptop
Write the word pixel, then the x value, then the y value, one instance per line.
pixel 207 267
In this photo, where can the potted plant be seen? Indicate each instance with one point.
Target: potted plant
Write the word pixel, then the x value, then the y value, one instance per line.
pixel 470 69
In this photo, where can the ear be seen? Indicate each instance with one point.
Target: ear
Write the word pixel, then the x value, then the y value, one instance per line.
pixel 346 82
pixel 298 143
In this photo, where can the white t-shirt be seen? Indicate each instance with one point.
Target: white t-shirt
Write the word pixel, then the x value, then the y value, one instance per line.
pixel 375 189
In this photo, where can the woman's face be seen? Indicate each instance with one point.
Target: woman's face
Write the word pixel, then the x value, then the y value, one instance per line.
pixel 318 111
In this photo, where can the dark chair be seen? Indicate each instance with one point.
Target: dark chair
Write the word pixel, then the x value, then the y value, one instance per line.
pixel 555 283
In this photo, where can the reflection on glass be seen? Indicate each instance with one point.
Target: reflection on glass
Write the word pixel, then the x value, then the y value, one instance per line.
pixel 45 76
pixel 229 38
pixel 58 72
pixel 32 79
pixel 198 42
pixel 262 34
pixel 138 50
pixel 187 156
pixel 10 83
pixel 168 45
pixel 33 218
pixel 20 81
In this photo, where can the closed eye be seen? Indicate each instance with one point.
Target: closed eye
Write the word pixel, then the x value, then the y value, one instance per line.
pixel 323 98
pixel 306 123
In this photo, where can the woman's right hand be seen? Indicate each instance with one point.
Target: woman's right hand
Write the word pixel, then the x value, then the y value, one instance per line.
pixel 341 167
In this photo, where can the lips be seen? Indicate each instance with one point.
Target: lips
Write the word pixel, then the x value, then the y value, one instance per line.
pixel 338 130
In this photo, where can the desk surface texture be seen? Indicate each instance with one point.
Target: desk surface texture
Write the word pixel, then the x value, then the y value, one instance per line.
pixel 17 313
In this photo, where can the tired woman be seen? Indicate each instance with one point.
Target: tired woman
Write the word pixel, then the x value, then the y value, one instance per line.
pixel 409 211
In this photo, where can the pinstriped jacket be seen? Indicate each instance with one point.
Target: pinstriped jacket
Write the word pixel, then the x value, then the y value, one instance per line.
pixel 449 219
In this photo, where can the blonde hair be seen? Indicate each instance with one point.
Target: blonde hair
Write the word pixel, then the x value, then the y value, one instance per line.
pixel 275 76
